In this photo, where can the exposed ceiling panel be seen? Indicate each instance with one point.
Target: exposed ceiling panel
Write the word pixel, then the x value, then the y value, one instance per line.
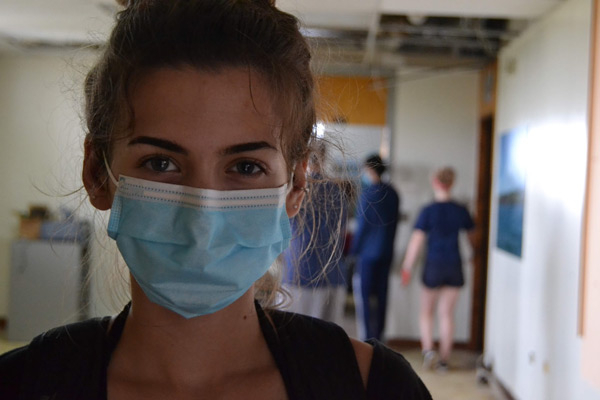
pixel 346 34
pixel 475 8
pixel 414 35
pixel 472 8
pixel 338 20
pixel 300 7
pixel 410 44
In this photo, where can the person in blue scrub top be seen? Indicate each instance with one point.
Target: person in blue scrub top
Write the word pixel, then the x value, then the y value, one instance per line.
pixel 315 269
pixel 373 245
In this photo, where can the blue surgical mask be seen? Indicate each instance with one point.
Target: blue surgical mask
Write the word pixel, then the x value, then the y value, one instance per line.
pixel 365 179
pixel 196 251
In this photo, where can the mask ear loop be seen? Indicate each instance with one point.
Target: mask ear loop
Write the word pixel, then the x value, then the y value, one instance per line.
pixel 110 174
pixel 290 184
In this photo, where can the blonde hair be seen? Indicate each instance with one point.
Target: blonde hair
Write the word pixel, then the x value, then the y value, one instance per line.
pixel 445 176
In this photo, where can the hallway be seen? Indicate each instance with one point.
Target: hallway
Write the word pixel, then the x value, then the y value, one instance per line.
pixel 459 383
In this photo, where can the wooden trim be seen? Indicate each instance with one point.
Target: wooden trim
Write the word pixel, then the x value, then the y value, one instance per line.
pixel 487 90
pixel 504 392
pixel 482 230
pixel 594 125
pixel 487 105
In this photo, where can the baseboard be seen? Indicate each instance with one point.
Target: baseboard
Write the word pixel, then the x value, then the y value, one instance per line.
pixel 499 390
pixel 486 376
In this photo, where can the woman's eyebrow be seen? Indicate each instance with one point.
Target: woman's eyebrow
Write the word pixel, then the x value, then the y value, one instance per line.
pixel 162 143
pixel 244 147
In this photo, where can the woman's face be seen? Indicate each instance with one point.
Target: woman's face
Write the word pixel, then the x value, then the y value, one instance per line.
pixel 210 130
pixel 202 129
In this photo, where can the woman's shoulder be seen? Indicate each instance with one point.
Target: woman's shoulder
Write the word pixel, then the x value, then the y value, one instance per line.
pixel 79 337
pixel 392 377
pixel 76 337
pixel 55 356
pixel 12 369
pixel 316 357
pixel 325 350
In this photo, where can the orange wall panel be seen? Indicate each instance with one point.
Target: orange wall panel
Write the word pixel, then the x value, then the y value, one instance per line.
pixel 354 100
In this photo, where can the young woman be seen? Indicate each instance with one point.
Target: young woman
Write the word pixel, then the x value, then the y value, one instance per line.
pixel 199 123
pixel 439 223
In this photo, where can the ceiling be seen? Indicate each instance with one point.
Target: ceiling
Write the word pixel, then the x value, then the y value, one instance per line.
pixel 349 36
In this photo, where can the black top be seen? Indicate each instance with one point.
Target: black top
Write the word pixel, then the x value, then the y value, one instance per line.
pixel 315 358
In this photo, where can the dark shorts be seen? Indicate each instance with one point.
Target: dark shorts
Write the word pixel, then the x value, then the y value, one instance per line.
pixel 438 276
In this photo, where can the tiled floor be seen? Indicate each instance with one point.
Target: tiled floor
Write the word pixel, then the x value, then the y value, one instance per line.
pixel 459 383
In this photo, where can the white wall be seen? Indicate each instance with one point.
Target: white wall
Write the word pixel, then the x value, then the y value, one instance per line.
pixel 42 141
pixel 531 327
pixel 436 124
pixel 38 127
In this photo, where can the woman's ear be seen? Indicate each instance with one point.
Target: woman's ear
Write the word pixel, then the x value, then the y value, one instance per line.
pixel 95 179
pixel 296 195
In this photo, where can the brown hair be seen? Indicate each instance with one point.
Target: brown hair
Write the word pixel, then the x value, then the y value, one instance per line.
pixel 208 35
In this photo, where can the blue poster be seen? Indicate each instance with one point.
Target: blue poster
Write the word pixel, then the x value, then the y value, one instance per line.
pixel 511 191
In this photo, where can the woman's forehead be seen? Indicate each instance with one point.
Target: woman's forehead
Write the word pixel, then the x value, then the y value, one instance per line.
pixel 231 103
pixel 243 82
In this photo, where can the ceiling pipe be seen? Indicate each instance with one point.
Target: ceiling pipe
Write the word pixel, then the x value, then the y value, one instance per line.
pixel 447 31
pixel 371 41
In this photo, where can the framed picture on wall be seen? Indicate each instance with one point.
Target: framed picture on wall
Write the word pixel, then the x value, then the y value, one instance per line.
pixel 511 191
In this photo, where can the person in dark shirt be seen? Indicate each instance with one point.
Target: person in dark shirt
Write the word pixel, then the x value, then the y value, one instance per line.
pixel 439 223
pixel 373 245
pixel 200 117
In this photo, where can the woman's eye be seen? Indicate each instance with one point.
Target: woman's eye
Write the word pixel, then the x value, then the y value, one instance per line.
pixel 160 164
pixel 247 168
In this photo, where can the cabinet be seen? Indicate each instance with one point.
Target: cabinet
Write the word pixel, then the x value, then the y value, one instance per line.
pixel 46 286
